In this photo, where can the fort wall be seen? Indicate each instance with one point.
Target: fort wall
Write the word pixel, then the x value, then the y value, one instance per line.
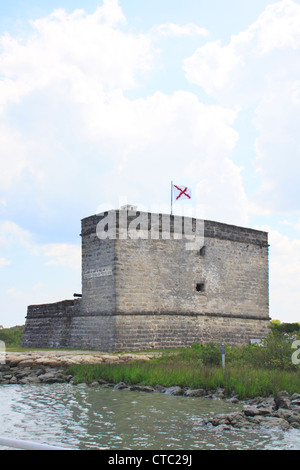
pixel 146 293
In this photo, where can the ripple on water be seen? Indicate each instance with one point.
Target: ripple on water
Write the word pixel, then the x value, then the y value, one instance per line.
pixel 93 418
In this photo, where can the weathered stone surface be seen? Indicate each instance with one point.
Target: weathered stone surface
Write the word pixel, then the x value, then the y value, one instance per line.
pixel 258 411
pixel 295 397
pixel 142 293
pixel 262 414
pixel 199 392
pixel 282 400
pixel 142 388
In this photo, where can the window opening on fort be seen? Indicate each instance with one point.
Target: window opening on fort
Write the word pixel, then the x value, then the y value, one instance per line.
pixel 202 251
pixel 200 287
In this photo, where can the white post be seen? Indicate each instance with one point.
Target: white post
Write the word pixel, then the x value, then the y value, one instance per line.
pixel 222 351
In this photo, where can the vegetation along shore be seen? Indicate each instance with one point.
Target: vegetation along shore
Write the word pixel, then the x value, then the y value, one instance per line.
pixel 262 379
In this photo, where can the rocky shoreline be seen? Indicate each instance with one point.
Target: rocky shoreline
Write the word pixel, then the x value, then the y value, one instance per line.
pixel 279 412
pixel 44 367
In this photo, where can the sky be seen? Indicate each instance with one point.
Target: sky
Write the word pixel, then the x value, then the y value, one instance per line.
pixel 104 103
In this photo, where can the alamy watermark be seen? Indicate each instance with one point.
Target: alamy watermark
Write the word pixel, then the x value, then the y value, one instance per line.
pixel 2 353
pixel 295 358
pixel 131 222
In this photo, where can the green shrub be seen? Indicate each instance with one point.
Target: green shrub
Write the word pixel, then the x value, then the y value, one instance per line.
pixel 12 336
pixel 276 326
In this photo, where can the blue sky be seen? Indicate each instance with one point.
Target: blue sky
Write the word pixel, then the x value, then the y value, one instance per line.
pixel 106 102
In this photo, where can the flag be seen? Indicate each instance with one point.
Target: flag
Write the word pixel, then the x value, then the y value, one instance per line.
pixel 181 193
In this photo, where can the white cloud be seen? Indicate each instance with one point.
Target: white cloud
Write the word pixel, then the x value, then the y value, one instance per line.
pixel 284 276
pixel 13 238
pixel 277 148
pixel 211 66
pixel 170 137
pixel 260 68
pixel 243 69
pixel 4 262
pixel 172 29
pixel 63 254
pixel 65 47
pixel 68 61
pixel 14 292
pixel 77 67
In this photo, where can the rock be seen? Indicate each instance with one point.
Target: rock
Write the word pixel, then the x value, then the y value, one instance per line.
pixel 13 380
pixel 7 376
pixel 283 393
pixel 295 403
pixel 259 413
pixel 31 379
pixel 52 377
pixel 282 402
pixel 102 381
pixel 26 363
pixel 294 418
pixel 295 397
pixel 233 400
pixel 219 394
pixel 222 427
pixel 142 388
pixel 283 413
pixel 264 410
pixel 267 402
pixel 250 411
pixel 94 384
pixel 174 391
pixel 235 417
pixel 47 361
pixel 197 392
pixel 255 420
pixel 272 422
pixel 231 421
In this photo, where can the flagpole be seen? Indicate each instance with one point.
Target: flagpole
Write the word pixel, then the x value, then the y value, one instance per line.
pixel 171 197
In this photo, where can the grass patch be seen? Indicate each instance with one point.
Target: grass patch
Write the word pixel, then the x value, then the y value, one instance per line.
pixel 250 370
pixel 245 382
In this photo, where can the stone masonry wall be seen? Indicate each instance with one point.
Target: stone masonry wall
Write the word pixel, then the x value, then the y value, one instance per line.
pixel 139 294
pixel 62 325
pixel 161 276
pixel 134 332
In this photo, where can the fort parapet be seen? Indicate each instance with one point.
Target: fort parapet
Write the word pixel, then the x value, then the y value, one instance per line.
pixel 148 290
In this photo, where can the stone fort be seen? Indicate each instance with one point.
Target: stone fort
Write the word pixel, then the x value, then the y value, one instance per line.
pixel 159 281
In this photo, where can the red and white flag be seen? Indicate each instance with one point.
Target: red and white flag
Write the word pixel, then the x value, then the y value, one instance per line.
pixel 181 192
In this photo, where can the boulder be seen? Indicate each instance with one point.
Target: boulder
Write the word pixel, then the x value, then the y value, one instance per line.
pixel 52 377
pixel 142 388
pixel 250 410
pixel 272 422
pixel 219 394
pixel 197 392
pixel 31 379
pixel 282 401
pixel 295 397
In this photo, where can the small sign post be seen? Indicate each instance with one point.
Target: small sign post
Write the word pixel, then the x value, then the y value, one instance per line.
pixel 2 353
pixel 222 351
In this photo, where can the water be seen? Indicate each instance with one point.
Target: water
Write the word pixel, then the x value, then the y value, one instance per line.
pixel 80 417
